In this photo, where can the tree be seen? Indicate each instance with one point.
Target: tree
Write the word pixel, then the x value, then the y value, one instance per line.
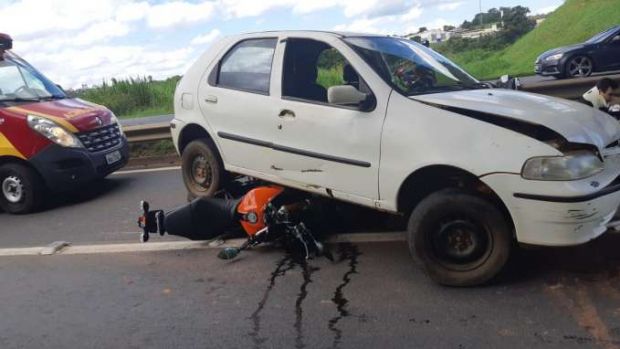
pixel 422 30
pixel 448 28
pixel 515 22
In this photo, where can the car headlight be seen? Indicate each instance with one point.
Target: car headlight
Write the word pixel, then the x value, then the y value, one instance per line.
pixel 571 166
pixel 555 57
pixel 54 132
pixel 114 119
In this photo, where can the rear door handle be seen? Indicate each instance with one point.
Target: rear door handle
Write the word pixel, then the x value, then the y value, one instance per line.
pixel 211 99
pixel 285 113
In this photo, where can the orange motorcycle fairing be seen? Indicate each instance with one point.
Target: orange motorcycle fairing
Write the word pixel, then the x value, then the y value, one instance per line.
pixel 252 207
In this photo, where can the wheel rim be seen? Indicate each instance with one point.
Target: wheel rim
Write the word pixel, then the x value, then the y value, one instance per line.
pixel 458 243
pixel 12 189
pixel 201 173
pixel 580 66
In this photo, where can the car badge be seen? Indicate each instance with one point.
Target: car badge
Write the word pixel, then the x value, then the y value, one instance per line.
pixel 98 121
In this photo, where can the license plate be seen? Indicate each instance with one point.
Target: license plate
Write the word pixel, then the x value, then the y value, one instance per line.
pixel 113 157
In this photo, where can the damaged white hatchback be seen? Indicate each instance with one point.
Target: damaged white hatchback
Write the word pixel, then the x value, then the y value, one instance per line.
pixel 387 123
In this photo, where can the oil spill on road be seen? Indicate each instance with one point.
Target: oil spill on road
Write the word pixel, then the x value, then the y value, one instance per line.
pixel 285 264
pixel 351 253
pixel 307 271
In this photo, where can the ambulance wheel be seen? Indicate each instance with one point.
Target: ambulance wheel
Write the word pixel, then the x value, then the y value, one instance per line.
pixel 202 167
pixel 459 238
pixel 21 189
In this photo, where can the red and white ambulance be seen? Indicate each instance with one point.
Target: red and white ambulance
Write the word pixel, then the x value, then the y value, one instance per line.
pixel 49 142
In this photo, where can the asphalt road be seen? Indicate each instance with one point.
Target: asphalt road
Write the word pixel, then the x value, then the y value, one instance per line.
pixel 104 212
pixel 373 295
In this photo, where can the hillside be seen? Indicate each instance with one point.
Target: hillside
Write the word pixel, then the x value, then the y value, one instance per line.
pixel 573 22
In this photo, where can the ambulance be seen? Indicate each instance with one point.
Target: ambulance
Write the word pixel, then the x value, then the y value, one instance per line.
pixel 50 143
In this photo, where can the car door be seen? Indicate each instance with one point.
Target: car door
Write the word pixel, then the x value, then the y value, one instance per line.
pixel 609 53
pixel 238 105
pixel 324 147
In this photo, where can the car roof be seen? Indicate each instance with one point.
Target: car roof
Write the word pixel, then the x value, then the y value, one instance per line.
pixel 309 33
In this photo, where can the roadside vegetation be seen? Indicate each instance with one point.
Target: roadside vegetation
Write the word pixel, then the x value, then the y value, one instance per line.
pixel 573 22
pixel 134 97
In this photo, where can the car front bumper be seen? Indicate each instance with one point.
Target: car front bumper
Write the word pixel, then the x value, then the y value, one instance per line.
pixel 571 214
pixel 64 169
pixel 545 68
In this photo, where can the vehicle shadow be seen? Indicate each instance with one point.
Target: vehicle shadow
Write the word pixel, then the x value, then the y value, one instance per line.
pixel 94 191
pixel 594 261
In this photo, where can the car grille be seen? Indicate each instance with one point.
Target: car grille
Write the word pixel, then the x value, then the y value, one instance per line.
pixel 102 138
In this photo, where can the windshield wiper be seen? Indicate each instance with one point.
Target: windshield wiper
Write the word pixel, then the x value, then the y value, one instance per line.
pixel 48 98
pixel 21 99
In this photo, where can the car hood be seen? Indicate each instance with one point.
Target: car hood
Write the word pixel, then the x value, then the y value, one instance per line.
pixel 74 114
pixel 576 122
pixel 563 49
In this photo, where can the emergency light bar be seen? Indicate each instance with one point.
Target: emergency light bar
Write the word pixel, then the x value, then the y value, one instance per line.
pixel 6 43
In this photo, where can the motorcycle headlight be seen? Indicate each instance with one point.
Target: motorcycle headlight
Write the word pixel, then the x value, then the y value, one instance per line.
pixel 54 132
pixel 572 166
pixel 555 57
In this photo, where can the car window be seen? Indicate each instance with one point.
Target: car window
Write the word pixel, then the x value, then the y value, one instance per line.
pixel 248 66
pixel 311 67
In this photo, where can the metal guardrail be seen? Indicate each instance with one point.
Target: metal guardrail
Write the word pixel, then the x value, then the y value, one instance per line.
pixel 569 89
pixel 146 133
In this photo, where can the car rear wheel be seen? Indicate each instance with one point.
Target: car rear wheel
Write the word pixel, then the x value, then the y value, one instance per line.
pixel 202 167
pixel 21 189
pixel 579 66
pixel 459 238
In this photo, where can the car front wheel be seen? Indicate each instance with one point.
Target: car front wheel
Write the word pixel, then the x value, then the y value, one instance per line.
pixel 579 66
pixel 21 189
pixel 459 238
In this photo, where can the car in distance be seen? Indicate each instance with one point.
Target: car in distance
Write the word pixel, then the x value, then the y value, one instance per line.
pixel 600 53
pixel 49 143
pixel 389 124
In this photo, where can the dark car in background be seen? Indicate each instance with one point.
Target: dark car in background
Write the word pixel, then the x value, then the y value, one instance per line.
pixel 600 53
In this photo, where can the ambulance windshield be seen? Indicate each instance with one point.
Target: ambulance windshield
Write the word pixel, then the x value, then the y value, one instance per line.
pixel 20 82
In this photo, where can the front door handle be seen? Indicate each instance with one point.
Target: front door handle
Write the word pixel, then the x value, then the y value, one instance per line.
pixel 285 113
pixel 211 99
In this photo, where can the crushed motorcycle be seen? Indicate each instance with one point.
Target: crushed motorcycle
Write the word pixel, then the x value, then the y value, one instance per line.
pixel 265 213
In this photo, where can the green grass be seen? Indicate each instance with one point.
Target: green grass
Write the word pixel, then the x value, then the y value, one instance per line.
pixel 571 23
pixel 134 97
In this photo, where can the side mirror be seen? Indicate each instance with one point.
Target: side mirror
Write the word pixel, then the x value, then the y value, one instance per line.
pixel 345 95
pixel 504 79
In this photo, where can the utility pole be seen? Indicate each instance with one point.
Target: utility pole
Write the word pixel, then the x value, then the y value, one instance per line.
pixel 481 15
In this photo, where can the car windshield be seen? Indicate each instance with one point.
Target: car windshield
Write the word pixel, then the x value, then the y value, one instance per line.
pixel 601 36
pixel 410 67
pixel 20 82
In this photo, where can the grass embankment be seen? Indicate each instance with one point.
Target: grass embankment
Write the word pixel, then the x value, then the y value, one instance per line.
pixel 133 98
pixel 571 23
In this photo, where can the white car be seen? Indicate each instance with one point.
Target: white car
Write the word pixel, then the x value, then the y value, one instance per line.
pixel 393 125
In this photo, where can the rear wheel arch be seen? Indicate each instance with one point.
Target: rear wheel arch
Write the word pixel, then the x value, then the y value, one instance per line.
pixel 427 180
pixel 193 132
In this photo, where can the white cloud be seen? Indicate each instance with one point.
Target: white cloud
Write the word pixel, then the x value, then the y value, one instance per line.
pixel 450 6
pixel 177 13
pixel 206 38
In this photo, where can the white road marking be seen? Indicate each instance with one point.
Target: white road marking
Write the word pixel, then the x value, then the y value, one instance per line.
pixel 146 170
pixel 183 245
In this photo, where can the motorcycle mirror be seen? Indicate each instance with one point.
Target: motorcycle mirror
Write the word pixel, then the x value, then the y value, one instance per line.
pixel 504 79
pixel 228 253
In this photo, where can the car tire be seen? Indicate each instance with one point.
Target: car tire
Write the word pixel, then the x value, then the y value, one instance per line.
pixel 579 67
pixel 202 168
pixel 21 189
pixel 460 239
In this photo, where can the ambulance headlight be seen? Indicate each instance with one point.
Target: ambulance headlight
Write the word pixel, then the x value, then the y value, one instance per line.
pixel 54 132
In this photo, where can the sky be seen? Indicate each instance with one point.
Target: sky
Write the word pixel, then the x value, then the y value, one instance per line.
pixel 76 42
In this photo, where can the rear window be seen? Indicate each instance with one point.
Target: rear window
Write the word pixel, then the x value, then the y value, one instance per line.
pixel 247 66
